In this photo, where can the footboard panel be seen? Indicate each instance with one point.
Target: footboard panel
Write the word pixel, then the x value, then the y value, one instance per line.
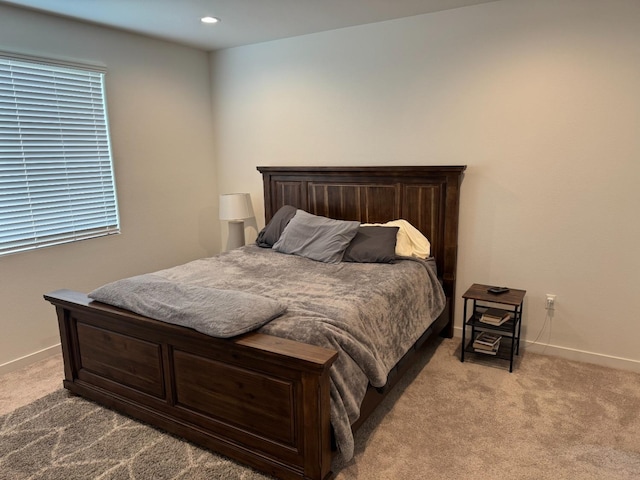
pixel 236 396
pixel 258 399
pixel 123 359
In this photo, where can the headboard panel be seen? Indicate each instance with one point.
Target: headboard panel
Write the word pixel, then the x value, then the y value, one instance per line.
pixel 426 196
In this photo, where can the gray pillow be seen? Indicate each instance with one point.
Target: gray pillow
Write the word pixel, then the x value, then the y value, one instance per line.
pixel 318 238
pixel 272 231
pixel 372 245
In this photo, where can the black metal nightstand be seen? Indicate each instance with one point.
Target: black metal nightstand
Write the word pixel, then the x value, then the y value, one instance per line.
pixel 510 303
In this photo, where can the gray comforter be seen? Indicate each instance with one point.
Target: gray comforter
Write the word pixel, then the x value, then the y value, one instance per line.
pixel 370 313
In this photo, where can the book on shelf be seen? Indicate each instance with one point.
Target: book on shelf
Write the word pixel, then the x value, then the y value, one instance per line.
pixel 487 342
pixel 495 316
pixel 487 339
pixel 487 352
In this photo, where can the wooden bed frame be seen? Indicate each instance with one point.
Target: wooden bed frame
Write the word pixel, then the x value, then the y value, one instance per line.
pixel 261 400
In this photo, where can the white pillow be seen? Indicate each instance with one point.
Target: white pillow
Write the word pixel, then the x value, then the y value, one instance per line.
pixel 410 242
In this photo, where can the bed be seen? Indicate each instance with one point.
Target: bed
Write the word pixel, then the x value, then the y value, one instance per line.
pixel 265 400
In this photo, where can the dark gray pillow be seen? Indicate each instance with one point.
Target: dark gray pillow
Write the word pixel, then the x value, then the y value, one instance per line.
pixel 272 231
pixel 318 238
pixel 372 245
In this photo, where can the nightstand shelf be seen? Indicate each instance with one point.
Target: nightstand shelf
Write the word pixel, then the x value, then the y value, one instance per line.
pixel 504 352
pixel 511 302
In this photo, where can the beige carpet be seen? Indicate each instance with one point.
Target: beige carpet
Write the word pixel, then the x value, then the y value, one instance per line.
pixel 23 386
pixel 549 419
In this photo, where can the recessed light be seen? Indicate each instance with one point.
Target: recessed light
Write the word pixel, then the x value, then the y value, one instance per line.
pixel 209 20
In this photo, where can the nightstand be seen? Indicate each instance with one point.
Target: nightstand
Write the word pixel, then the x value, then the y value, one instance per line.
pixel 509 305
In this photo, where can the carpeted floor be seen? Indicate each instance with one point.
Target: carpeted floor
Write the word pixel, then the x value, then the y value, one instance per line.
pixel 23 386
pixel 549 419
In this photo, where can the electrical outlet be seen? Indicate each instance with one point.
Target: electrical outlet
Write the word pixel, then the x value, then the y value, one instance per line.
pixel 551 302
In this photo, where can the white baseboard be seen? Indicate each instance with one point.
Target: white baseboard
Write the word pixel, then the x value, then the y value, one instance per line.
pixel 576 355
pixel 584 356
pixel 27 360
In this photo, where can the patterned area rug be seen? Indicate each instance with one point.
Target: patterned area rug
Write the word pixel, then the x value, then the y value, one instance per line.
pixel 65 437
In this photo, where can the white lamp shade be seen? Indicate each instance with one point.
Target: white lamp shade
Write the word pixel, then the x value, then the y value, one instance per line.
pixel 235 206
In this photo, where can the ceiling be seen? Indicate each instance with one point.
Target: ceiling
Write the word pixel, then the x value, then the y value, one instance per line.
pixel 242 21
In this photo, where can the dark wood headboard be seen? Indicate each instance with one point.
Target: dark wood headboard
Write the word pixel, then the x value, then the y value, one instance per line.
pixel 426 196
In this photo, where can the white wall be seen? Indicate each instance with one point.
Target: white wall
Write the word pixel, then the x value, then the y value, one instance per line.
pixel 159 105
pixel 540 99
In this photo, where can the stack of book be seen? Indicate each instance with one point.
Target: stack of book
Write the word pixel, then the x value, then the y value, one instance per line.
pixel 495 316
pixel 486 342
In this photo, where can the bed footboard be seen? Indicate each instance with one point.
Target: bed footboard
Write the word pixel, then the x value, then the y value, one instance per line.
pixel 261 400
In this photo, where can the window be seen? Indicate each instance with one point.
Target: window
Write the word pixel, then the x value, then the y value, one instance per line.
pixel 56 176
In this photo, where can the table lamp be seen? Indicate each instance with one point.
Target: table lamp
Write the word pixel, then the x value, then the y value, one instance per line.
pixel 235 208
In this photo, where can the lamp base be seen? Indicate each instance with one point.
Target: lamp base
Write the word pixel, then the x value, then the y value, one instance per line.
pixel 236 234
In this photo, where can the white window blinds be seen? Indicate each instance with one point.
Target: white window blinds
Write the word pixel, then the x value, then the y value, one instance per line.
pixel 56 178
